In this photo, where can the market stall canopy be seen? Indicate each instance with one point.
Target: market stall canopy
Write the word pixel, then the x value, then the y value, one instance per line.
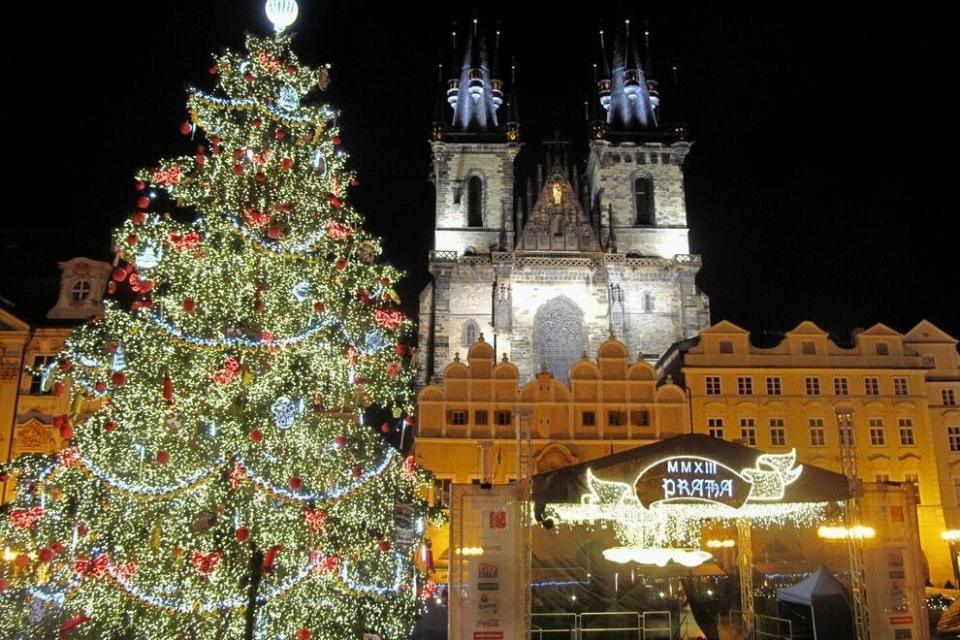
pixel 746 468
pixel 820 583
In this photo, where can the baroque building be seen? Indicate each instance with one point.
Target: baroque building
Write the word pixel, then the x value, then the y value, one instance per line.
pixel 28 344
pixel 550 271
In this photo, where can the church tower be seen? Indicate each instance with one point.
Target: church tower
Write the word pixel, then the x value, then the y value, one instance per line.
pixel 585 259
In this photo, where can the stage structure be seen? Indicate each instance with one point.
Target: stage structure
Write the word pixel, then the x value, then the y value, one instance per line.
pixel 658 498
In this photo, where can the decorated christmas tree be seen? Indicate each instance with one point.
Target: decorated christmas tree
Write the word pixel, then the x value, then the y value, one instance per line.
pixel 239 477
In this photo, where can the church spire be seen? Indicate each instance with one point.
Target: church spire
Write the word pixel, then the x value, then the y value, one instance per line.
pixel 475 89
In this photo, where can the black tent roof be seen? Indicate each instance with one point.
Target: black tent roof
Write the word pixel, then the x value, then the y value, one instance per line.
pixel 568 484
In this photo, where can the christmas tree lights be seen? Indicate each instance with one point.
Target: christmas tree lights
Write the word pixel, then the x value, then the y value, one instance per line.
pixel 228 473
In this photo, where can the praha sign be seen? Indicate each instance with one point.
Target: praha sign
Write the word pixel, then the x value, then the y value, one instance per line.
pixel 691 479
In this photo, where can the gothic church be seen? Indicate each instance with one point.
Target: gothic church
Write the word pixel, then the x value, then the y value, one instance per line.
pixel 549 274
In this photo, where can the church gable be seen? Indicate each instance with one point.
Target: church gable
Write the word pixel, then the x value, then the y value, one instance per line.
pixel 557 222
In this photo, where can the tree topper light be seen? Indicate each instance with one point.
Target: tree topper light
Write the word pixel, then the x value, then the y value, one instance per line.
pixel 282 13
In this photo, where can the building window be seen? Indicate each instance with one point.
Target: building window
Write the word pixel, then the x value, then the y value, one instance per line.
pixel 812 385
pixel 470 333
pixel 713 385
pixel 774 387
pixel 808 348
pixel 748 432
pixel 715 427
pixel 40 364
pixel 882 349
pixel 841 387
pixel 877 437
pixel 900 387
pixel 949 397
pixel 953 438
pixel 441 492
pixel 818 434
pixel 778 434
pixel 589 419
pixel 480 417
pixel 80 291
pixel 914 480
pixel 640 418
pixel 475 201
pixel 745 386
pixel 559 336
pixel 457 417
pixel 726 346
pixel 643 199
pixel 871 386
pixel 615 418
pixel 906 432
pixel 502 418
pixel 647 303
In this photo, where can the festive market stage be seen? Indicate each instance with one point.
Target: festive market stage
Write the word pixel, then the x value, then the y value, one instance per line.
pixel 685 536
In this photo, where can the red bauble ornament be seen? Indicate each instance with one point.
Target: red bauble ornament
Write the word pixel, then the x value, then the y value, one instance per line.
pixel 212 70
pixel 100 387
pixel 22 561
pixel 401 349
pixel 242 534
pixel 385 427
pixel 384 545
pixel 341 264
pixel 132 239
pixel 110 426
pixel 291 68
pixel 139 218
pixel 136 305
pixel 118 379
pixel 410 420
pixel 238 169
pixel 319 307
pixel 256 122
pixel 143 202
pixel 58 388
pixel 66 432
pixel 46 555
pixel 271 556
pixel 274 233
pixel 354 182
pixel 215 141
pixel 286 164
pixel 356 472
pixel 57 547
pixel 280 134
pixel 339 442
pixel 168 390
pixel 384 282
pixel 261 176
pixel 3 585
pixel 256 435
pixel 140 185
pixel 186 128
pixel 303 634
pixel 335 201
pixel 238 154
pixel 82 530
pixel 118 275
pixel 65 365
pixel 248 77
pixel 336 140
pixel 163 457
pixel 295 483
pixel 189 305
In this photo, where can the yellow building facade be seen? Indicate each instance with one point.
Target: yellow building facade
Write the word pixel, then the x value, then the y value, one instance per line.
pixel 901 388
pixel 27 405
pixel 787 396
pixel 469 426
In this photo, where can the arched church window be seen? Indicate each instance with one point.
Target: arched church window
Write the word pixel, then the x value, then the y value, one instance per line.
pixel 475 201
pixel 647 303
pixel 559 336
pixel 470 333
pixel 643 199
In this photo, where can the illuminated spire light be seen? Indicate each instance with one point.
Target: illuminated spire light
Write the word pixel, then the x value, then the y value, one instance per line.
pixel 282 13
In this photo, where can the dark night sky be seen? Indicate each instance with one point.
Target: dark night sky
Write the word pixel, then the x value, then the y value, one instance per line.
pixel 819 185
